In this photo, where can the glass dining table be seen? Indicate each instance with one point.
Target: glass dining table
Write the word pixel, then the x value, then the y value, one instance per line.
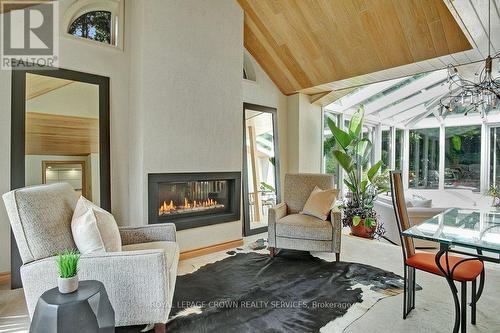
pixel 472 233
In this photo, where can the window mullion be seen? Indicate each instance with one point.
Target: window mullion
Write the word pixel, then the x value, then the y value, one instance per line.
pixel 442 155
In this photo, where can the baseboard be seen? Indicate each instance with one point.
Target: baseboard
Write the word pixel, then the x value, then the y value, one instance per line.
pixel 5 278
pixel 210 249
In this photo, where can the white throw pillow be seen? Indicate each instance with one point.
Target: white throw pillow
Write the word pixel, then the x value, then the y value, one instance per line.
pixel 420 201
pixel 94 229
pixel 320 202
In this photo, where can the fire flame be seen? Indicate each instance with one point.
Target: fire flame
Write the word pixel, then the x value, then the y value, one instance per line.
pixel 167 208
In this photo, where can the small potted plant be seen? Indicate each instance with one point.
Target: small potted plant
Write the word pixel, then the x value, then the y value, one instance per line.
pixel 494 193
pixel 67 264
pixel 352 151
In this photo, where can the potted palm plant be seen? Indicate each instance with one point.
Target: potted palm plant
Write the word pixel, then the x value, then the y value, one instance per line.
pixel 67 265
pixel 352 151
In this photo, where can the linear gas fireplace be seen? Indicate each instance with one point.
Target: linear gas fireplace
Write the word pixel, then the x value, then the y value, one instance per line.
pixel 193 200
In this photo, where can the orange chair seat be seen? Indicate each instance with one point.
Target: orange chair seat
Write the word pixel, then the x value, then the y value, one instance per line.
pixel 466 271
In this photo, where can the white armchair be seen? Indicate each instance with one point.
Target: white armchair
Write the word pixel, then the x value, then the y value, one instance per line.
pixel 290 230
pixel 140 280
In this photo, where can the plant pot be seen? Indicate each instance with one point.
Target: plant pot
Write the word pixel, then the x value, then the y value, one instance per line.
pixel 361 230
pixel 67 285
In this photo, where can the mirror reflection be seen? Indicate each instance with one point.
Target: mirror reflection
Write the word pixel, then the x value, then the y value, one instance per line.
pixel 261 166
pixel 62 134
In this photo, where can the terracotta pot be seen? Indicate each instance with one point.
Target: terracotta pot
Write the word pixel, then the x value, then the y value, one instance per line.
pixel 67 285
pixel 361 231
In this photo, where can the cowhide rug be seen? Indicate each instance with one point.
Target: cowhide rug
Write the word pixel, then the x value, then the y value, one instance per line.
pixel 293 292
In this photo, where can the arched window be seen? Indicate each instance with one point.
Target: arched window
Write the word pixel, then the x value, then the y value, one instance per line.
pixel 94 25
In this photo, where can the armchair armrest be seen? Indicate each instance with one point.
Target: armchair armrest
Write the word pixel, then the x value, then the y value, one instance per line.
pixel 275 213
pixel 137 283
pixel 336 219
pixel 148 233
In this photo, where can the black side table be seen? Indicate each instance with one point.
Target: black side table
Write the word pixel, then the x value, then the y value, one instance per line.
pixel 87 310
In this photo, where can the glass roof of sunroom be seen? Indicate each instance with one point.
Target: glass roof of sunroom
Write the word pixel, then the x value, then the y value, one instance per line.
pixel 408 102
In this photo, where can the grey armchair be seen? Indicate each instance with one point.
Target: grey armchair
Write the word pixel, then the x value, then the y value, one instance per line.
pixel 140 280
pixel 290 230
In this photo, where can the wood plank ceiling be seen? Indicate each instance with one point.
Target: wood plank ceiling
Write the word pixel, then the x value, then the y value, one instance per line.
pixel 305 45
pixel 37 85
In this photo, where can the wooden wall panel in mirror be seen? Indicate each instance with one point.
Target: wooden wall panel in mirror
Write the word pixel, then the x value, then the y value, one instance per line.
pixel 62 134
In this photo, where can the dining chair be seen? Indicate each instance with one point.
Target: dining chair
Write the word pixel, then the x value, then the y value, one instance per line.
pixel 462 271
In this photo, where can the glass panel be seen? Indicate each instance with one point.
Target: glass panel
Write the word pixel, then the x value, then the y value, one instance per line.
pixel 261 166
pixel 368 133
pixel 200 197
pixel 94 25
pixel 424 158
pixel 495 157
pixel 399 149
pixel 330 165
pixel 386 148
pixel 462 227
pixel 463 157
pixel 62 134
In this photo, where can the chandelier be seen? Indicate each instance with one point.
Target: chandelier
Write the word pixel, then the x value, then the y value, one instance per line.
pixel 470 96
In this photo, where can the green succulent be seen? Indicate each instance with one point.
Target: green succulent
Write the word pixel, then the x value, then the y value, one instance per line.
pixel 67 263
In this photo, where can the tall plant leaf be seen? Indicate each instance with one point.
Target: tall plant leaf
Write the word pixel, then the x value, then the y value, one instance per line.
pixel 344 160
pixel 373 170
pixel 341 137
pixel 364 148
pixel 356 123
pixel 349 185
pixel 363 185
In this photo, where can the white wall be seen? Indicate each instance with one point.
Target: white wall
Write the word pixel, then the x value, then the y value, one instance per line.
pixel 176 103
pixel 304 134
pixel 187 116
pixel 76 99
pixel 91 58
pixel 264 92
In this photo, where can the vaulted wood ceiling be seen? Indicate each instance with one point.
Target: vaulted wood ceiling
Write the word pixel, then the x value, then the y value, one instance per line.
pixel 305 45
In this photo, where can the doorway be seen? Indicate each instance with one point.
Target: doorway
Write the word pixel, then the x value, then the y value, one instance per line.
pixel 261 179
pixel 60 133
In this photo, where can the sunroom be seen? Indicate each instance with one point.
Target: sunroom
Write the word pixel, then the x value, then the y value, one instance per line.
pixel 428 127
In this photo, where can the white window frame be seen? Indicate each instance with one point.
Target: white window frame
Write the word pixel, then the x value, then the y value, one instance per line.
pixel 81 7
pixel 485 156
pixel 486 126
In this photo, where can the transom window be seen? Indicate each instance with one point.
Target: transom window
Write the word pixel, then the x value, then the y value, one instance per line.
pixel 94 25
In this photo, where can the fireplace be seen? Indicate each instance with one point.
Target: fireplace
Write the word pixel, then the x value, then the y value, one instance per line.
pixel 193 200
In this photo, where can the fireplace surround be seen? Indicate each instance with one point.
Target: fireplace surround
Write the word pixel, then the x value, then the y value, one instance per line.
pixel 192 200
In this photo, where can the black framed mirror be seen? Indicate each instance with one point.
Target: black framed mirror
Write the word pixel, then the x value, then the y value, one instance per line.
pixel 261 165
pixel 59 132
